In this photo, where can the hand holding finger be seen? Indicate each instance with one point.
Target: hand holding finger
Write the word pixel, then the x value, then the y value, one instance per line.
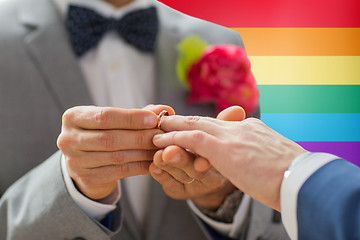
pixel 159 108
pixel 173 168
pixel 102 145
pixel 234 113
pixel 178 163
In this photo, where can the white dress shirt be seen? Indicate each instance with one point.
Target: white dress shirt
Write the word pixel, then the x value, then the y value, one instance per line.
pixel 299 171
pixel 119 75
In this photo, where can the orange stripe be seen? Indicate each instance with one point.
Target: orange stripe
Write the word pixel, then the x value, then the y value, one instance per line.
pixel 301 41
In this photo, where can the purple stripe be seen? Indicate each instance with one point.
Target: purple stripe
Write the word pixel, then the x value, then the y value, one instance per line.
pixel 346 150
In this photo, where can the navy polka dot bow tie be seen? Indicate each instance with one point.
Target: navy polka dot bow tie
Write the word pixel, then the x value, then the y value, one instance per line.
pixel 86 27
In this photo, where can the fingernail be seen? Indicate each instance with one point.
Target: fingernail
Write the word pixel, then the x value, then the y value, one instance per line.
pixel 150 121
pixel 157 137
pixel 157 171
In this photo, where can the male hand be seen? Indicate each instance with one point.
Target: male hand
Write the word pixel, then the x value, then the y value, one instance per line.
pixel 183 175
pixel 102 145
pixel 250 154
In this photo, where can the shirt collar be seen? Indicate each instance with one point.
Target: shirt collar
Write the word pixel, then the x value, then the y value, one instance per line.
pixel 102 7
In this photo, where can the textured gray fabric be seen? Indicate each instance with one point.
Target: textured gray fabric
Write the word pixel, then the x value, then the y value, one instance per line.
pixel 263 226
pixel 39 80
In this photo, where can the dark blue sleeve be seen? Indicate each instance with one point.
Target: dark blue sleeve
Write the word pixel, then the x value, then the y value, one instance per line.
pixel 108 221
pixel 329 203
pixel 215 235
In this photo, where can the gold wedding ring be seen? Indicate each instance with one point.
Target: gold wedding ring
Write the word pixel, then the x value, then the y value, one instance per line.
pixel 190 181
pixel 161 115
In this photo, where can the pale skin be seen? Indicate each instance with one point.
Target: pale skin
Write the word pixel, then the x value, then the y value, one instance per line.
pixel 250 154
pixel 173 167
pixel 118 3
pixel 102 145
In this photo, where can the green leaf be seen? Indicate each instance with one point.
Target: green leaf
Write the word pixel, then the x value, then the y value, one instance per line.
pixel 190 51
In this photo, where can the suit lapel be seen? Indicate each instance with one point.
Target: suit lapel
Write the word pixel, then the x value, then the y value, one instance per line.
pixel 49 47
pixel 129 217
pixel 156 209
pixel 260 220
pixel 170 90
pixel 164 62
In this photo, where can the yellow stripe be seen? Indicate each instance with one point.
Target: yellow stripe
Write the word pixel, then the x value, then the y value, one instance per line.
pixel 301 41
pixel 308 70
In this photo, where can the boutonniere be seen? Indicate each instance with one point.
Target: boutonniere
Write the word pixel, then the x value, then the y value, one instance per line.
pixel 219 74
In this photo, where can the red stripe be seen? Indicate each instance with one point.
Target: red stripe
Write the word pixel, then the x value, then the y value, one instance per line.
pixel 276 13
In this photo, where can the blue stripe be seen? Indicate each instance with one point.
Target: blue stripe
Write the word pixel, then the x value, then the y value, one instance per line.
pixel 315 126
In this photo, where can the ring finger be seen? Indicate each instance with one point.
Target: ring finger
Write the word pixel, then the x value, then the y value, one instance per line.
pixel 99 159
pixel 177 173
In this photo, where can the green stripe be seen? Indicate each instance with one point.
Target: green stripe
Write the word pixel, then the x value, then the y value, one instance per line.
pixel 309 98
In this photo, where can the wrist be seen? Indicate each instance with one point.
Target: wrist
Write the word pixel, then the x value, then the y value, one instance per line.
pixel 215 199
pixel 96 194
pixel 94 209
pixel 226 211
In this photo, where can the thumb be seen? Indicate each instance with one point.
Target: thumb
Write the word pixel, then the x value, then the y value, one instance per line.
pixel 234 113
pixel 158 108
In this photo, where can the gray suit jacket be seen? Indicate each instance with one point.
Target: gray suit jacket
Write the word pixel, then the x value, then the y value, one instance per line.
pixel 39 80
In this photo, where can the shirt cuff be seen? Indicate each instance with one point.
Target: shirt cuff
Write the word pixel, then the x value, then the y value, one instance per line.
pixel 228 229
pixel 94 209
pixel 301 168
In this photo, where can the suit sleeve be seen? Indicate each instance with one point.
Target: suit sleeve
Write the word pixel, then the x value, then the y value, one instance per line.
pixel 329 203
pixel 320 198
pixel 38 206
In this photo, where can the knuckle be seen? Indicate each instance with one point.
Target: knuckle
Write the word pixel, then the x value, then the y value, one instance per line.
pixel 192 120
pixel 141 140
pixel 143 167
pixel 117 157
pixel 124 169
pixel 149 154
pixel 74 174
pixel 71 163
pixel 102 117
pixel 85 180
pixel 68 116
pixel 253 120
pixel 64 142
pixel 128 118
pixel 173 136
pixel 198 135
pixel 132 169
pixel 107 140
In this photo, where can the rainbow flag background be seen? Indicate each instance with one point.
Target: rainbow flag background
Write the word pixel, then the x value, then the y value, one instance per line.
pixel 305 56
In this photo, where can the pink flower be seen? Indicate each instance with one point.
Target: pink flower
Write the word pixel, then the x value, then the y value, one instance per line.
pixel 223 76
